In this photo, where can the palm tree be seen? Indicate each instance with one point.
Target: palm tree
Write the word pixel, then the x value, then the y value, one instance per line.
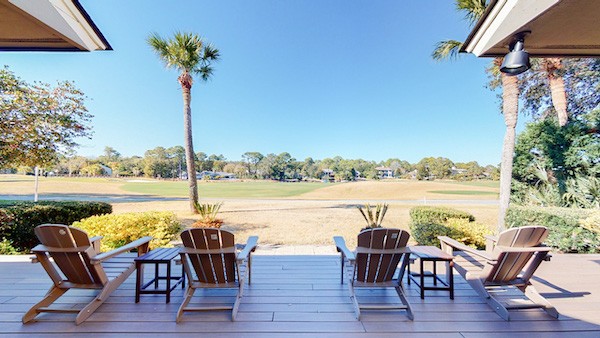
pixel 189 54
pixel 448 49
pixel 553 68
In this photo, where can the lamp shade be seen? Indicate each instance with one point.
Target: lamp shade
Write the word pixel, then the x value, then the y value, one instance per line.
pixel 517 61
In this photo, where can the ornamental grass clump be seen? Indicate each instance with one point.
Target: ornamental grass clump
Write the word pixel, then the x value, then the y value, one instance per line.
pixel 208 215
pixel 373 216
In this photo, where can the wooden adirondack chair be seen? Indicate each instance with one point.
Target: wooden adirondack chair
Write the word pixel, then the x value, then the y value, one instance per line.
pixel 509 262
pixel 374 264
pixel 210 260
pixel 82 266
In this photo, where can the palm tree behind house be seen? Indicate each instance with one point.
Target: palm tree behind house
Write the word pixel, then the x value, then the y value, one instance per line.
pixel 190 55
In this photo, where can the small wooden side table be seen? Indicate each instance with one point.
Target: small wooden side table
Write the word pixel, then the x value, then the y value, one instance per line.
pixel 157 257
pixel 432 254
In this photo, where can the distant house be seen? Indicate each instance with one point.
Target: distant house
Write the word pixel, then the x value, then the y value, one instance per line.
pixel 215 175
pixel 328 175
pixel 456 171
pixel 106 170
pixel 385 172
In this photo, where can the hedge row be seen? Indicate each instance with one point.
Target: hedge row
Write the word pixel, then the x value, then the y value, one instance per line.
pixel 18 219
pixel 427 223
pixel 571 230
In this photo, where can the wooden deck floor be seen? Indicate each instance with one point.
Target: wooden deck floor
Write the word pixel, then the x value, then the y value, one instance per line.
pixel 301 296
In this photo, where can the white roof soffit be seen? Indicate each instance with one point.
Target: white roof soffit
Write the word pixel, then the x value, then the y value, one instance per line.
pixel 506 18
pixel 65 18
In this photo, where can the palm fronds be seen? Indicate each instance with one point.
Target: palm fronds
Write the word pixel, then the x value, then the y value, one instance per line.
pixel 373 216
pixel 208 211
pixel 186 52
pixel 447 49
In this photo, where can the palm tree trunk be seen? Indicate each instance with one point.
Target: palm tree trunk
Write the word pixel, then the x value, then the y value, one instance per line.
pixel 557 88
pixel 510 109
pixel 189 146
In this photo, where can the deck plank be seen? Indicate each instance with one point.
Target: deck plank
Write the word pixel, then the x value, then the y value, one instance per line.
pixel 301 296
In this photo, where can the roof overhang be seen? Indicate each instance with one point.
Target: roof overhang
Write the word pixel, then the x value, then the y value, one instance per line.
pixel 558 28
pixel 48 25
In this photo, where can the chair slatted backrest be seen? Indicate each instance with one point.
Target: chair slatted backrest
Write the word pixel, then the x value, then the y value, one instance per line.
pixel 74 265
pixel 373 266
pixel 218 264
pixel 510 264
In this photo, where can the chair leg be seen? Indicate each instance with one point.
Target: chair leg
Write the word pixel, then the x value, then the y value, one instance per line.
pixel 238 299
pixel 89 309
pixel 500 309
pixel 477 284
pixel 354 300
pixel 400 292
pixel 532 294
pixel 189 293
pixel 53 294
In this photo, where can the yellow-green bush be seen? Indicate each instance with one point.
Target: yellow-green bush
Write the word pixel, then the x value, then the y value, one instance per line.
pixel 427 223
pixel 592 222
pixel 469 233
pixel 119 230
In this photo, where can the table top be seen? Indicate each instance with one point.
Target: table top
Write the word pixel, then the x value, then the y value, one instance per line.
pixel 430 253
pixel 159 255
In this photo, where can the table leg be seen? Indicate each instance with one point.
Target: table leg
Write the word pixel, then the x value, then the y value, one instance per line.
pixel 408 271
pixel 450 278
pixel 434 272
pixel 182 277
pixel 168 282
pixel 156 275
pixel 422 278
pixel 139 275
pixel 342 271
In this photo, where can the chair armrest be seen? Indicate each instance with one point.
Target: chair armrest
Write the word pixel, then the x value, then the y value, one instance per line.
pixel 125 248
pixel 250 247
pixel 500 249
pixel 459 246
pixel 96 239
pixel 340 245
pixel 96 243
pixel 491 238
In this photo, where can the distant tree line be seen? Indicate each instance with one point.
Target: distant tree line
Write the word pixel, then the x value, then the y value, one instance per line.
pixel 169 163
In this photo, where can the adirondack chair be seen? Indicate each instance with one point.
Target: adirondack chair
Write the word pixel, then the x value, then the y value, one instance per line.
pixel 82 266
pixel 509 262
pixel 210 260
pixel 374 264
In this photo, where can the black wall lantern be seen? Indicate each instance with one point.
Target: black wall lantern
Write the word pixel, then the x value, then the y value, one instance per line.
pixel 517 60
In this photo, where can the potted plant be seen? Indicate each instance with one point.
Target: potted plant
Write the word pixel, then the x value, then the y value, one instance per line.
pixel 208 215
pixel 373 216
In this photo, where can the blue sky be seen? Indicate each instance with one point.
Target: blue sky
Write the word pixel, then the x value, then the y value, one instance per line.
pixel 313 78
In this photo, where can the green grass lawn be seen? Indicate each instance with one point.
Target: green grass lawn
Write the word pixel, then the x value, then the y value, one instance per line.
pixel 250 189
pixel 482 183
pixel 462 192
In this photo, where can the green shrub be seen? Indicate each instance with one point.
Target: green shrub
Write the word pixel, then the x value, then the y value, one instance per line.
pixel 426 234
pixel 119 230
pixel 427 223
pixel 6 247
pixel 568 229
pixel 438 215
pixel 18 218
